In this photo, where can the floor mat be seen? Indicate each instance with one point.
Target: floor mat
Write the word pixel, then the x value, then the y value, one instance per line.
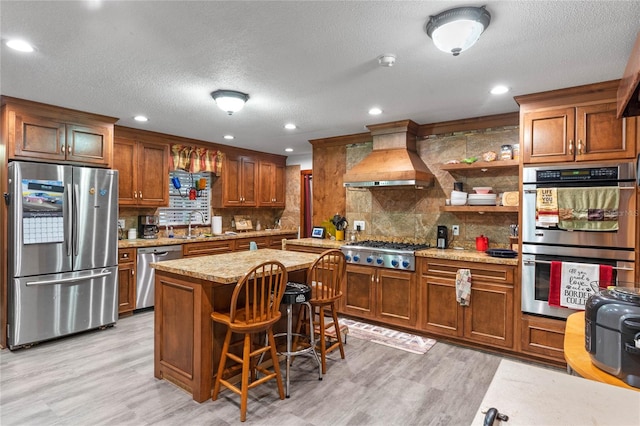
pixel 388 337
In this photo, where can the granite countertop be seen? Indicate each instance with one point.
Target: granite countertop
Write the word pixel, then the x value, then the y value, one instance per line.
pixel 449 254
pixel 465 255
pixel 163 241
pixel 228 268
pixel 316 242
pixel 533 396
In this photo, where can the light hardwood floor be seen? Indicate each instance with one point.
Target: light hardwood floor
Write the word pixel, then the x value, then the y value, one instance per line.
pixel 105 377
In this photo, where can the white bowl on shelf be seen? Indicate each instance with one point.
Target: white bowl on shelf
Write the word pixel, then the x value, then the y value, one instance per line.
pixel 458 201
pixel 458 195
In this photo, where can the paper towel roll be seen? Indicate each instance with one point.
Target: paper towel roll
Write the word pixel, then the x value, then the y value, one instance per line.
pixel 216 225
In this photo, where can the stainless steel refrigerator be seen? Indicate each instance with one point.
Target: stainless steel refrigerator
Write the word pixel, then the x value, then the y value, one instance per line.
pixel 63 251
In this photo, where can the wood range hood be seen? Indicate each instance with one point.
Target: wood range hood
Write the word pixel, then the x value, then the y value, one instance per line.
pixel 394 161
pixel 629 88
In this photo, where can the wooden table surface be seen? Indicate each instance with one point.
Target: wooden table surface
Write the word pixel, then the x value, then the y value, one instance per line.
pixel 577 356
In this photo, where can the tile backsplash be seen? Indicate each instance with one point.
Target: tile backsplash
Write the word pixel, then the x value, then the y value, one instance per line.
pixel 413 214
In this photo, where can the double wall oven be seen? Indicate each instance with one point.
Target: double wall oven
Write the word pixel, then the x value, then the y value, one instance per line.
pixel 542 245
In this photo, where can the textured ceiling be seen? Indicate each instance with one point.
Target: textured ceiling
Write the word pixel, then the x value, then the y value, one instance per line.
pixel 308 62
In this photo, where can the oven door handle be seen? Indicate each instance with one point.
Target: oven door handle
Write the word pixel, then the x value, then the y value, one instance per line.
pixel 548 262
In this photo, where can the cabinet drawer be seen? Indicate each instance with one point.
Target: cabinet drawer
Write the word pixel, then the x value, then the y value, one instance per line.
pixel 126 255
pixel 543 337
pixel 245 243
pixel 206 248
pixel 492 273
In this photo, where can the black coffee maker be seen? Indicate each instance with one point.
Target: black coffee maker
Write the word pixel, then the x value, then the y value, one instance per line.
pixel 148 226
pixel 443 237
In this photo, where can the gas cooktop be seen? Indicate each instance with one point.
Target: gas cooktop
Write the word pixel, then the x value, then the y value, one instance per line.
pixel 383 254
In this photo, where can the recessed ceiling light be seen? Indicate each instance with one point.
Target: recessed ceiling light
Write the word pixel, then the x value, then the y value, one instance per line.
pixel 290 126
pixel 499 90
pixel 288 149
pixel 375 111
pixel 20 45
pixel 229 137
pixel 141 118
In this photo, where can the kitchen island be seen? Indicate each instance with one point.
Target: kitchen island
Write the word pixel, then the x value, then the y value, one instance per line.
pixel 187 344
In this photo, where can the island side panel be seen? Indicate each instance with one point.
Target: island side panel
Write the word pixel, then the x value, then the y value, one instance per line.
pixel 183 333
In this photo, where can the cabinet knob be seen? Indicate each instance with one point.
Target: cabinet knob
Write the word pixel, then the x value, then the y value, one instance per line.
pixel 141 195
pixel 125 255
pixel 133 272
pixel 135 194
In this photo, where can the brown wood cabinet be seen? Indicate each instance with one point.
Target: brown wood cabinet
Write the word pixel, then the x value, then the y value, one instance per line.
pixel 384 295
pixel 487 320
pixel 543 337
pixel 205 248
pixel 238 185
pixel 40 132
pixel 575 124
pixel 126 281
pixel 272 187
pixel 143 169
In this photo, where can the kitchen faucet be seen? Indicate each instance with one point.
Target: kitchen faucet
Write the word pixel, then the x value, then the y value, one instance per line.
pixel 190 214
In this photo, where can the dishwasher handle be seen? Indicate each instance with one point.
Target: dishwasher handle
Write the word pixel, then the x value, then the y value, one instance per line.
pixel 160 250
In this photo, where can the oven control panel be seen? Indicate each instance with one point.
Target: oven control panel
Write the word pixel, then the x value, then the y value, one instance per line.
pixel 577 174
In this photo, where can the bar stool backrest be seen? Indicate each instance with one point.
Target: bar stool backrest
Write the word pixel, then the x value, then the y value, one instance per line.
pixel 326 275
pixel 258 294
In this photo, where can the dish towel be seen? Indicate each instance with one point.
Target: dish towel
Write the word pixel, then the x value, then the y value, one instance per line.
pixel 546 207
pixel 571 284
pixel 589 209
pixel 463 286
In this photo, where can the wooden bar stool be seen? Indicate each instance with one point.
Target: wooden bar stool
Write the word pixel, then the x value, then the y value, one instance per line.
pixel 326 277
pixel 255 308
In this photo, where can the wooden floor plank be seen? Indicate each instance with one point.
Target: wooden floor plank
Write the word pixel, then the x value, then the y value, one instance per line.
pixel 105 377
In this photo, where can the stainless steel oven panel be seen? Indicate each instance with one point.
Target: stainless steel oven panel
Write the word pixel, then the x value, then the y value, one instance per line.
pixel 530 262
pixel 586 252
pixel 623 238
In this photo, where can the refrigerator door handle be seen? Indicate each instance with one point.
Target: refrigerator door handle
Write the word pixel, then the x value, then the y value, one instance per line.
pixel 69 218
pixel 76 195
pixel 70 279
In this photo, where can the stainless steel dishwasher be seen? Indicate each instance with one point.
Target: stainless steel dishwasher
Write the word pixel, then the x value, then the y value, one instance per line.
pixel 146 274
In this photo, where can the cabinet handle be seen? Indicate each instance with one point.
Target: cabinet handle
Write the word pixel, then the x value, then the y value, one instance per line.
pixel 141 195
pixel 133 272
pixel 571 146
pixel 62 148
pixel 580 151
pixel 69 149
pixel 135 194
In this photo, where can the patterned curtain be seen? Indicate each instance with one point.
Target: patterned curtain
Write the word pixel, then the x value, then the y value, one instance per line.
pixel 195 159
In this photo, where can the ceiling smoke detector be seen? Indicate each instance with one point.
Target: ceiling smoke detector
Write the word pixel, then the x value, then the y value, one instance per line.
pixel 387 60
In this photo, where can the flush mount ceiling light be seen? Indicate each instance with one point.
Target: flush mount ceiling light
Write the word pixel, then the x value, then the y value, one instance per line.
pixel 230 100
pixel 456 30
pixel 141 118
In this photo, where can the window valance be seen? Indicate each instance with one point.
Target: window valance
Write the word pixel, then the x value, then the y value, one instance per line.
pixel 195 159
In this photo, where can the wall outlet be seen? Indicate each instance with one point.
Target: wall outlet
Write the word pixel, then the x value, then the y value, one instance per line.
pixel 456 229
pixel 121 223
pixel 358 225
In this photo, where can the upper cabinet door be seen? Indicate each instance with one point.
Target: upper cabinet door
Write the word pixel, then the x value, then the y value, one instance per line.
pixel 89 144
pixel 272 184
pixel 153 179
pixel 602 136
pixel 549 136
pixel 249 185
pixel 124 160
pixel 36 137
